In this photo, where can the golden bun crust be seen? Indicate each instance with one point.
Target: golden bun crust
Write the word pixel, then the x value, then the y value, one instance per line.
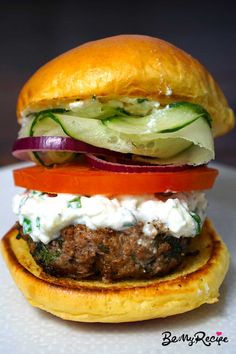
pixel 131 66
pixel 196 282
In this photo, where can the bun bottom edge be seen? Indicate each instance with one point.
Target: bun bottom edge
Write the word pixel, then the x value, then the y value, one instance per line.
pixel 194 283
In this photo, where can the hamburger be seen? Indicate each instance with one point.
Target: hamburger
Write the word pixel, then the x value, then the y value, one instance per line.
pixel 111 226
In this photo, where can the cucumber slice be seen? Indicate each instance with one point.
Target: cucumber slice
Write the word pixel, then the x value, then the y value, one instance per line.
pixel 159 145
pixel 194 135
pixel 46 124
pixel 95 109
pixel 191 156
pixel 26 126
pixel 200 152
pixel 169 119
pixel 93 131
pixel 50 158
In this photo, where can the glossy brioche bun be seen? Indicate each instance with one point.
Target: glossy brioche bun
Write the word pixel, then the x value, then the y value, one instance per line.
pixel 196 282
pixel 126 65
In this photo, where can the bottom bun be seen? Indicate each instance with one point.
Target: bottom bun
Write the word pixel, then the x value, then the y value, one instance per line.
pixel 194 283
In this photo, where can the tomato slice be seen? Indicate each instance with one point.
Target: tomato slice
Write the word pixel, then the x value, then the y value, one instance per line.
pixel 82 179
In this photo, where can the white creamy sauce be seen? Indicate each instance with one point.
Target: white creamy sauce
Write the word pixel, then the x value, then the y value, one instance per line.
pixel 168 91
pixel 43 216
pixel 93 107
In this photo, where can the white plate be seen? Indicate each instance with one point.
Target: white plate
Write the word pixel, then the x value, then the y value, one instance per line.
pixel 24 329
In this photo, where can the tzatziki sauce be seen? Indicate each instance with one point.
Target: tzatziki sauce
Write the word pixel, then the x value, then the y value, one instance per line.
pixel 42 215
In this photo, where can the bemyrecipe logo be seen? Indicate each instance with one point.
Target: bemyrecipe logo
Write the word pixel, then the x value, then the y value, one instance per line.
pixel 200 337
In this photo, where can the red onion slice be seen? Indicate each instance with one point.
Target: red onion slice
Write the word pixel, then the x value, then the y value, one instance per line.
pixel 22 146
pixel 101 164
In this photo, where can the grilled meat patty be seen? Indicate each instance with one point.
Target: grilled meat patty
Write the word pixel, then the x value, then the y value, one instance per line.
pixel 106 254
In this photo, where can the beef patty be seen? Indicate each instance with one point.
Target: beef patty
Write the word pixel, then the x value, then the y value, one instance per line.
pixel 106 254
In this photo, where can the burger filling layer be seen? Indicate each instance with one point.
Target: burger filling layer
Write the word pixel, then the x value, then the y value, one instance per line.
pixel 175 133
pixel 81 253
pixel 43 215
pixel 112 238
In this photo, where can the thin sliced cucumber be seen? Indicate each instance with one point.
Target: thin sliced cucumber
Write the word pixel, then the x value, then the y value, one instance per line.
pixel 94 108
pixel 97 110
pixel 161 145
pixel 200 152
pixel 26 126
pixel 50 158
pixel 191 156
pixel 184 106
pixel 46 124
pixel 167 120
pixel 95 133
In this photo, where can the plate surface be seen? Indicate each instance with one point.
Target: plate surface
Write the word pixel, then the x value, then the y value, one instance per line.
pixel 24 329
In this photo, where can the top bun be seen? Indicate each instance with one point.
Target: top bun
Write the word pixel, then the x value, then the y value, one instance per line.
pixel 131 66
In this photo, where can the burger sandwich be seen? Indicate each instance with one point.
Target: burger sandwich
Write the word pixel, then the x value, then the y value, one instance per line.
pixel 111 225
